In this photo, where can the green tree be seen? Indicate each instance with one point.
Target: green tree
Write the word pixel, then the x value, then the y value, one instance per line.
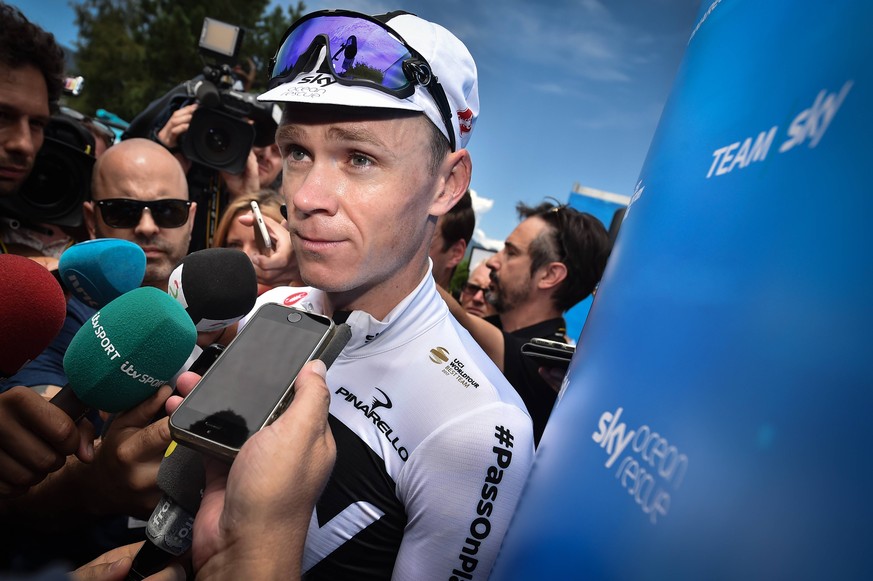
pixel 133 51
pixel 462 273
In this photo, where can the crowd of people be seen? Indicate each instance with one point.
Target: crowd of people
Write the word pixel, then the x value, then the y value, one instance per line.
pixel 405 459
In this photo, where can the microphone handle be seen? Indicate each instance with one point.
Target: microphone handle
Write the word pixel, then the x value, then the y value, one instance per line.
pixel 67 400
pixel 150 559
pixel 168 535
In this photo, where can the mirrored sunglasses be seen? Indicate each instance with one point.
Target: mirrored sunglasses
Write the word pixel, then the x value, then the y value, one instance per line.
pixel 363 52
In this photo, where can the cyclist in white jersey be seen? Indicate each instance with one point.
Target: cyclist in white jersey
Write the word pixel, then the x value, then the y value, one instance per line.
pixel 433 444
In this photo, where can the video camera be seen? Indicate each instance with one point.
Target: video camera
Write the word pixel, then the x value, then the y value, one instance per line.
pixel 61 175
pixel 228 122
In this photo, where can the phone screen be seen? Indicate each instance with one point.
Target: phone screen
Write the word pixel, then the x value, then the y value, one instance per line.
pixel 241 390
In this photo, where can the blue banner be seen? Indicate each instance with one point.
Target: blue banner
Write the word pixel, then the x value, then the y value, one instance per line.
pixel 715 422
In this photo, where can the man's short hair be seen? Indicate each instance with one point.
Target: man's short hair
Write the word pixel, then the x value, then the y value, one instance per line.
pixel 439 147
pixel 460 221
pixel 23 43
pixel 576 239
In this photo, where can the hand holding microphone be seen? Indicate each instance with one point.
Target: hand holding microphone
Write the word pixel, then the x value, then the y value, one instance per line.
pixel 125 352
pixel 35 437
pixel 117 361
pixel 252 497
pixel 32 311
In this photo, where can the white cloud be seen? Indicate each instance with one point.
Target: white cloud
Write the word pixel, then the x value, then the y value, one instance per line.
pixel 482 239
pixel 480 204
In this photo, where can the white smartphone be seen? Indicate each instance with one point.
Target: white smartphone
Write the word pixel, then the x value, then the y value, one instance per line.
pixel 262 235
pixel 252 381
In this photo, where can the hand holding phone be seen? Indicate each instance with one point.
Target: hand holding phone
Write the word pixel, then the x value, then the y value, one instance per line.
pixel 262 234
pixel 252 381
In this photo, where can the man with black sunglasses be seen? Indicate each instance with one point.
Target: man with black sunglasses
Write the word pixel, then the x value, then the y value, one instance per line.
pixel 139 193
pixel 433 445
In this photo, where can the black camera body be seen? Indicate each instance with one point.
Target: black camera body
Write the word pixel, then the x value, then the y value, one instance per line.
pixel 226 124
pixel 61 177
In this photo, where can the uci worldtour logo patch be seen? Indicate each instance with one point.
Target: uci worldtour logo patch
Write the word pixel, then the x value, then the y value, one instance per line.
pixel 439 355
pixel 453 368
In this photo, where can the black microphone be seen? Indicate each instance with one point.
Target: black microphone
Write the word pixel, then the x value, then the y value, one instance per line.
pixel 217 286
pixel 207 94
pixel 181 478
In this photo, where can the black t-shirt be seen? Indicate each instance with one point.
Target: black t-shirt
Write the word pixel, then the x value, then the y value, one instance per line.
pixel 522 372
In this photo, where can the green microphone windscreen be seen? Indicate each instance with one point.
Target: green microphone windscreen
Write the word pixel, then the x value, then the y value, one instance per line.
pixel 128 349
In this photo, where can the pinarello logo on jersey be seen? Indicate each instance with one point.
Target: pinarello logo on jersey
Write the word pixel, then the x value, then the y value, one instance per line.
pixel 369 412
pixel 382 404
pixel 294 299
pixel 465 121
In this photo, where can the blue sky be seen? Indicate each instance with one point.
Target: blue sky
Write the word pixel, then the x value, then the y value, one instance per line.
pixel 571 90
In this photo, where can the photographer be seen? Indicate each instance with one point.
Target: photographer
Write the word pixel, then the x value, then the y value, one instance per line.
pixel 223 138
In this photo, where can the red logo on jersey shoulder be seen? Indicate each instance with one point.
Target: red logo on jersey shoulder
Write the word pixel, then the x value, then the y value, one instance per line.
pixel 294 298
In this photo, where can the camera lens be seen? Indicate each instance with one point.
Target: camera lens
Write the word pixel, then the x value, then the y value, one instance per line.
pixel 217 140
pixel 294 317
pixel 57 185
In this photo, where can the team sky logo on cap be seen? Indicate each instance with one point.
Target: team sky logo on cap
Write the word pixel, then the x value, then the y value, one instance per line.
pixel 320 79
pixel 304 90
pixel 452 368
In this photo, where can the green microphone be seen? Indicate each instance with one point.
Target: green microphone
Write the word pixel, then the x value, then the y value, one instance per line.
pixel 125 352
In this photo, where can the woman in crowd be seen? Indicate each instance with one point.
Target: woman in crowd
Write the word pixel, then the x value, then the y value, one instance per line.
pixel 274 267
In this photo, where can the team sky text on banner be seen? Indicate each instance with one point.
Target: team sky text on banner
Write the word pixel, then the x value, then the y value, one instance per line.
pixel 715 420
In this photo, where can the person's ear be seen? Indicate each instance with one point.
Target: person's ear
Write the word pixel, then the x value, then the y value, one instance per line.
pixel 88 209
pixel 457 252
pixel 192 210
pixel 551 275
pixel 455 173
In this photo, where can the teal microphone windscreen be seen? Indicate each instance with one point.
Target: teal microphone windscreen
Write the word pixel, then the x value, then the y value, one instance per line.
pixel 128 349
pixel 32 311
pixel 217 286
pixel 98 271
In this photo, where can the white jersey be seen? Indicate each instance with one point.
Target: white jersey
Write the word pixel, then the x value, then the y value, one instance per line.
pixel 433 448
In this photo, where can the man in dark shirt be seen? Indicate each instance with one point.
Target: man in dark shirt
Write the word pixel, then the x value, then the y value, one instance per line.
pixel 552 260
